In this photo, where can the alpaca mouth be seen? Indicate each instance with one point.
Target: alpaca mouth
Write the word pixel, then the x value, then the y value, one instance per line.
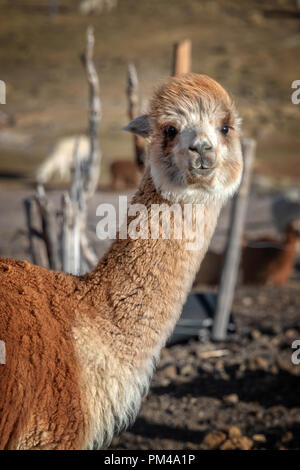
pixel 202 171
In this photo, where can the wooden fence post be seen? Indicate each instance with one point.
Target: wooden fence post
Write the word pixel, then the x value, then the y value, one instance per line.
pixel 53 8
pixel 70 236
pixel 91 170
pixel 233 248
pixel 72 251
pixel 182 57
pixel 37 246
pixel 132 94
pixel 49 228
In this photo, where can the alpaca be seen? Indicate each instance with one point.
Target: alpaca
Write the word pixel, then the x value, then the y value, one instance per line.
pixel 210 270
pixel 270 261
pixel 60 162
pixel 127 173
pixel 80 351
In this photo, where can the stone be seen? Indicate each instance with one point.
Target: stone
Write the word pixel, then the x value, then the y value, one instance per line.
pixel 241 443
pixel 288 436
pixel 255 334
pixel 228 445
pixel 259 438
pixel 291 333
pixel 261 363
pixel 170 371
pixel 247 301
pixel 214 439
pixel 234 432
pixel 188 369
pixel 231 399
pixel 244 443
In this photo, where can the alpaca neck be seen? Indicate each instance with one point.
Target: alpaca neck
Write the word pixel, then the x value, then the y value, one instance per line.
pixel 145 282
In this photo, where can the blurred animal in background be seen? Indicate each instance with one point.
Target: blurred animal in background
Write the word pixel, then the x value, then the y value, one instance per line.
pixel 125 174
pixel 87 7
pixel 286 207
pixel 60 162
pixel 210 270
pixel 269 260
pixel 6 120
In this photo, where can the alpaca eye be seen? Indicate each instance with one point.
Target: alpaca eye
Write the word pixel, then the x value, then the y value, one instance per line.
pixel 170 132
pixel 225 130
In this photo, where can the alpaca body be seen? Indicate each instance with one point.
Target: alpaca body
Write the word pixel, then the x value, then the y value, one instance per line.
pixel 125 174
pixel 80 351
pixel 210 270
pixel 104 335
pixel 39 352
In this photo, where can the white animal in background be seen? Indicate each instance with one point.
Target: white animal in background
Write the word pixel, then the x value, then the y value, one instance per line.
pixel 87 7
pixel 60 162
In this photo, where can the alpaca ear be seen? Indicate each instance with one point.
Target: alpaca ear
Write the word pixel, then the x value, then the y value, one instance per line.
pixel 139 126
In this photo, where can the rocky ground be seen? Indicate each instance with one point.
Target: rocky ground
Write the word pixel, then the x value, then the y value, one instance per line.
pixel 242 394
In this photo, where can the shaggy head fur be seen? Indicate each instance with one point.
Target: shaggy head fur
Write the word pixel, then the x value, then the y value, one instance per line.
pixel 194 140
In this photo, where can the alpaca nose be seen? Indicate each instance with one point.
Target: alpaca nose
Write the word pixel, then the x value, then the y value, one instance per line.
pixel 204 153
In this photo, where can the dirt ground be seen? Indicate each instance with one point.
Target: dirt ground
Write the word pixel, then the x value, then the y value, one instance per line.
pixel 247 398
pixel 245 394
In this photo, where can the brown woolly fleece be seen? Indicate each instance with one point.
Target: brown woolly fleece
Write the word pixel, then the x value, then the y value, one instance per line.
pixel 131 305
pixel 80 351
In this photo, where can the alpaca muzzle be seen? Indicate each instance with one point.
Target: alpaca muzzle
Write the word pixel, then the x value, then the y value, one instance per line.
pixel 203 158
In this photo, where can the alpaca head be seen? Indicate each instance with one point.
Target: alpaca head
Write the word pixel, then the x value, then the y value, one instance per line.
pixel 194 140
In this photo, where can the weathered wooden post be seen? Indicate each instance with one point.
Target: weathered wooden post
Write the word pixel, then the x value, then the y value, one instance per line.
pixel 53 8
pixel 70 233
pixel 91 170
pixel 74 254
pixel 36 243
pixel 132 94
pixel 77 255
pixel 49 228
pixel 182 57
pixel 233 248
pixel 71 258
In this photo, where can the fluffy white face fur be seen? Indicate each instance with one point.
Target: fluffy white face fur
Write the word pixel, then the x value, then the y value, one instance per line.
pixel 194 142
